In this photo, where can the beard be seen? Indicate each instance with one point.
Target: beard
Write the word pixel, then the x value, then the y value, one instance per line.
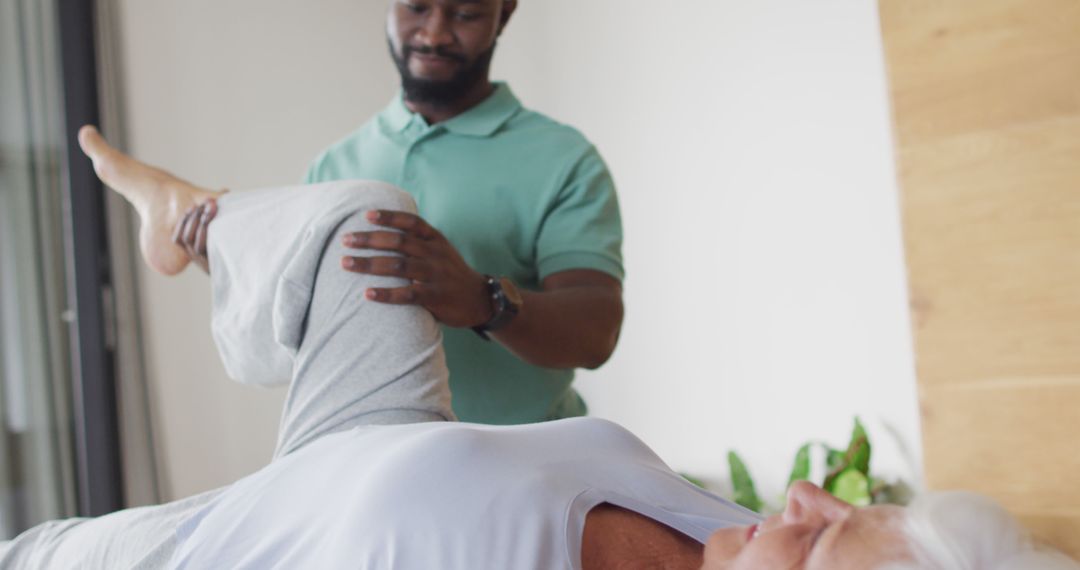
pixel 443 92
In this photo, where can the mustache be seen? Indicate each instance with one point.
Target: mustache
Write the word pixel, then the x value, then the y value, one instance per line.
pixel 436 51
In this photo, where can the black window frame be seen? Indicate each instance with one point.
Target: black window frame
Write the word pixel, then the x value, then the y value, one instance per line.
pixel 99 474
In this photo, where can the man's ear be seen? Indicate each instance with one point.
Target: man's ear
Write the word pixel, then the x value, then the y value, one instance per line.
pixel 508 8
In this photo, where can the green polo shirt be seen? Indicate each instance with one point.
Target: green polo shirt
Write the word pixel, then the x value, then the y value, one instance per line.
pixel 519 195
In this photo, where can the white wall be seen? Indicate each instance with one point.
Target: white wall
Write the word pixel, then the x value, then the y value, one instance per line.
pixel 750 141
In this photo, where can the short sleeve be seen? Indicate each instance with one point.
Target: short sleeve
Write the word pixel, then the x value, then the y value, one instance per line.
pixel 582 229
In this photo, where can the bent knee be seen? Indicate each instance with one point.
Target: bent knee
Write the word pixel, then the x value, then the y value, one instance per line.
pixel 365 195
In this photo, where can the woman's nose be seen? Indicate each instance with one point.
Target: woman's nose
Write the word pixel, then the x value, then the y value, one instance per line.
pixel 799 512
pixel 808 503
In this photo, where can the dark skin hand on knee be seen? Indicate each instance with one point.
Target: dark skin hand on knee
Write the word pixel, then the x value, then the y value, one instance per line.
pixel 441 280
pixel 573 322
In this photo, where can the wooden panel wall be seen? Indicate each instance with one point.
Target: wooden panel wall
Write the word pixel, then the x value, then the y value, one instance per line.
pixel 986 101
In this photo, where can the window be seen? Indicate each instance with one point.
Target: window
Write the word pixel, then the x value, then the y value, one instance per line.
pixel 58 444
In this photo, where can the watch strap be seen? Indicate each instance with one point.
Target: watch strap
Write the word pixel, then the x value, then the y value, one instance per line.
pixel 504 310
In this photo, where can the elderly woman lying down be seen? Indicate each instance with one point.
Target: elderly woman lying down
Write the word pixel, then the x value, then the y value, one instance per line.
pixel 371 471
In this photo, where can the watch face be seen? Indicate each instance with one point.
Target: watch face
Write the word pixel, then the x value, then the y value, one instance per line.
pixel 511 291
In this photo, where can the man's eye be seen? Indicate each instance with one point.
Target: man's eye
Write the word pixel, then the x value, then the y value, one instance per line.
pixel 414 8
pixel 468 16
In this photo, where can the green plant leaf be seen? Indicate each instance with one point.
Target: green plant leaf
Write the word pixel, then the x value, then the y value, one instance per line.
pixel 836 462
pixel 743 484
pixel 852 486
pixel 834 458
pixel 859 449
pixel 856 457
pixel 800 471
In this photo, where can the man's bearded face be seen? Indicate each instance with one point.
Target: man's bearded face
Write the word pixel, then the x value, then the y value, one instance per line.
pixel 452 75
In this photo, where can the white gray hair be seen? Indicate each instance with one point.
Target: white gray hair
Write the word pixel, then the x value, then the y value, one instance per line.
pixel 958 530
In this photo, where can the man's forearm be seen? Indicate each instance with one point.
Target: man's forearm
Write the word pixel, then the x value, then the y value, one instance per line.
pixel 569 327
pixel 573 322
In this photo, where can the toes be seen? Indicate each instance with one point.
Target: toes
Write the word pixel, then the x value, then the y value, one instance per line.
pixel 86 137
pixel 94 146
pixel 91 142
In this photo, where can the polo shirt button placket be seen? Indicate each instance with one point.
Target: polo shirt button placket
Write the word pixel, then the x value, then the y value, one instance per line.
pixel 409 169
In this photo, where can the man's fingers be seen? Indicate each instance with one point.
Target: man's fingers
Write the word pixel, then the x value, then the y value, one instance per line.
pixel 386 241
pixel 411 295
pixel 178 231
pixel 191 226
pixel 211 209
pixel 404 221
pixel 202 231
pixel 409 268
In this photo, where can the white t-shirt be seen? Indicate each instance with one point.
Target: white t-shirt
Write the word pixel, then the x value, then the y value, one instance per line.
pixel 444 496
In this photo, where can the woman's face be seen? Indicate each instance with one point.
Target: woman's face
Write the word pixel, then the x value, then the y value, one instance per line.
pixel 815 531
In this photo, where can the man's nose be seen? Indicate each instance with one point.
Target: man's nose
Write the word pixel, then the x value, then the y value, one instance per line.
pixel 436 30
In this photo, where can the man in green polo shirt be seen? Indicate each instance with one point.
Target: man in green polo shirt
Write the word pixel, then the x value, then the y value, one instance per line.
pixel 517 247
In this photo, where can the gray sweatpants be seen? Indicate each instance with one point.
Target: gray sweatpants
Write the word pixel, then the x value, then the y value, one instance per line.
pixel 284 311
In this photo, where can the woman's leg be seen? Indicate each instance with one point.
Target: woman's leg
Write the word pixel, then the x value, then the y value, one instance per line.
pixel 284 311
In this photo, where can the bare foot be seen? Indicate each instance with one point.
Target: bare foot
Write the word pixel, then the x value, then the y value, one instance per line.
pixel 159 197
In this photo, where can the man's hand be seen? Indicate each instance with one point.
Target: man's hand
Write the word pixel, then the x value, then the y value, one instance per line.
pixel 442 282
pixel 190 232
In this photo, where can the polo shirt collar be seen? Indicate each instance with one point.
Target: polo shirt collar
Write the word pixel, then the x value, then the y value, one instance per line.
pixel 480 121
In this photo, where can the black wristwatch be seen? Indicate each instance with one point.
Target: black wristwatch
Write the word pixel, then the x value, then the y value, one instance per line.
pixel 505 299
